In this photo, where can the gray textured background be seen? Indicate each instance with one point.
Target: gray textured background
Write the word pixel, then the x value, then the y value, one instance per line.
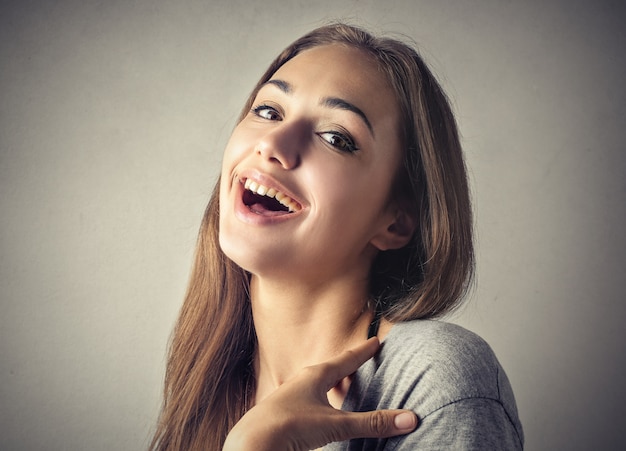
pixel 113 116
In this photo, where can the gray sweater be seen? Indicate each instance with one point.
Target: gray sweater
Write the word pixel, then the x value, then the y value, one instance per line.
pixel 450 378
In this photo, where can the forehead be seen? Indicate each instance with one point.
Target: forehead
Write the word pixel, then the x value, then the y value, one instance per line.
pixel 342 71
pixel 337 57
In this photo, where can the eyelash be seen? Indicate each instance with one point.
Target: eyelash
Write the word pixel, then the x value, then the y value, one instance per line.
pixel 257 111
pixel 346 143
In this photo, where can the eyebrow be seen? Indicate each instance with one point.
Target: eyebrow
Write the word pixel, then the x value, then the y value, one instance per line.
pixel 329 102
pixel 335 102
pixel 280 84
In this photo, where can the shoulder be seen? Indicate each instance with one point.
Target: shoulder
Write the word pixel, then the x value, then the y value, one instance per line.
pixel 435 361
pixel 436 338
pixel 443 354
pixel 445 373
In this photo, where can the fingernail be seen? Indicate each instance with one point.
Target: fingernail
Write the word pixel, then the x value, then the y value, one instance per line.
pixel 404 421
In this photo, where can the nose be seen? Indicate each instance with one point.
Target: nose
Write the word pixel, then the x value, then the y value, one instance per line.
pixel 282 145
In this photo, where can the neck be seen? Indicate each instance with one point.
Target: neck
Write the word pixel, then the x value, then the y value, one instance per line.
pixel 298 326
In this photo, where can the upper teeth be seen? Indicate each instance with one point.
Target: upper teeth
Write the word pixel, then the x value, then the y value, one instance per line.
pixel 263 190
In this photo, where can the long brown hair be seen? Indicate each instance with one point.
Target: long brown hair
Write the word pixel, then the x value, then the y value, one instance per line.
pixel 209 379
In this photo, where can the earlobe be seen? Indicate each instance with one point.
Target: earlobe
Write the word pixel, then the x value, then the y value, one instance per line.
pixel 397 234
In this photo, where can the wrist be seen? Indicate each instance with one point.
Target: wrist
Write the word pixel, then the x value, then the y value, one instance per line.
pixel 244 437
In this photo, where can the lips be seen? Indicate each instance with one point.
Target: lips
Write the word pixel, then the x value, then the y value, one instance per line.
pixel 263 200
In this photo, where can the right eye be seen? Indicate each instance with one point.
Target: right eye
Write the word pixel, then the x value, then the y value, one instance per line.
pixel 267 112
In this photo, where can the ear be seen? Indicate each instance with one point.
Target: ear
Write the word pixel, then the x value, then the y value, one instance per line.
pixel 397 233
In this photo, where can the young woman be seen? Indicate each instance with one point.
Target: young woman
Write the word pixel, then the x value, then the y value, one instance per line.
pixel 342 213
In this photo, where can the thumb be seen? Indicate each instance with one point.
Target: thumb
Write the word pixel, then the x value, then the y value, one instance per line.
pixel 379 423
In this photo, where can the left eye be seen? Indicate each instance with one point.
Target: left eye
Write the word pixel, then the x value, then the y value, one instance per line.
pixel 339 141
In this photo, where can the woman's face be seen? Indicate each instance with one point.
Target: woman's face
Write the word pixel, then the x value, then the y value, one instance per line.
pixel 307 174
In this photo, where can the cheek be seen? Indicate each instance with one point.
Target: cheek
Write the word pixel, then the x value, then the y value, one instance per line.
pixel 355 190
pixel 239 145
pixel 349 212
pixel 231 153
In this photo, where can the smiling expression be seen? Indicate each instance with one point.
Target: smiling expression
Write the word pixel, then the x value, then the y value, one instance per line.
pixel 307 174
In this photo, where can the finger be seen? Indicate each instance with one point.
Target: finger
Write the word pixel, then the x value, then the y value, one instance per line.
pixel 349 361
pixel 378 424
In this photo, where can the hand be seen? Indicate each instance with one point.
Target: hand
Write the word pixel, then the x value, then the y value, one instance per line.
pixel 297 416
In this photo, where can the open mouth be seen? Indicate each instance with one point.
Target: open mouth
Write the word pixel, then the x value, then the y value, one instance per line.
pixel 267 201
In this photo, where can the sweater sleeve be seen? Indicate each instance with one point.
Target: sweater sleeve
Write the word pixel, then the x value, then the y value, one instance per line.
pixel 469 424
